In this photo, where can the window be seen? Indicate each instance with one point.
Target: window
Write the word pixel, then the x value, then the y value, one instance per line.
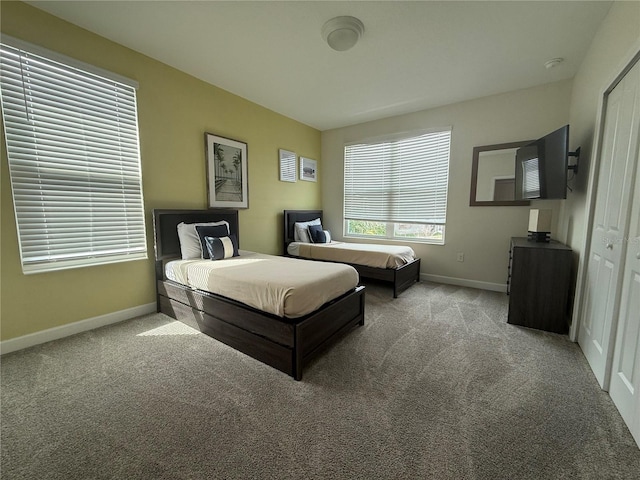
pixel 396 188
pixel 74 162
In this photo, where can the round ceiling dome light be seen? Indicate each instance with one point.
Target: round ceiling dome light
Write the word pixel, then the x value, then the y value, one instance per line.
pixel 553 62
pixel 342 33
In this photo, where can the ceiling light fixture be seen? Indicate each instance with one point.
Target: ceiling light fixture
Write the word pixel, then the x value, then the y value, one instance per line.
pixel 342 33
pixel 553 62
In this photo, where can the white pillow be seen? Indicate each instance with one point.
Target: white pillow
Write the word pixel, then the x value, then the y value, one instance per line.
pixel 190 245
pixel 300 232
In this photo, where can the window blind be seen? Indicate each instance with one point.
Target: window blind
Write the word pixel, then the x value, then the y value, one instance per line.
pixel 400 180
pixel 73 151
pixel 531 178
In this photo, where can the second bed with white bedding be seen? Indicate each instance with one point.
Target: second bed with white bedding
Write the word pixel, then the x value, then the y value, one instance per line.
pixel 371 255
pixel 396 264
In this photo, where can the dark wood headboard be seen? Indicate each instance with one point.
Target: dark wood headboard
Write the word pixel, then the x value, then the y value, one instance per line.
pixel 293 216
pixel 165 227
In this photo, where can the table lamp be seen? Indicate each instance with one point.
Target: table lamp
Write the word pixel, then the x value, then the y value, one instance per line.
pixel 539 225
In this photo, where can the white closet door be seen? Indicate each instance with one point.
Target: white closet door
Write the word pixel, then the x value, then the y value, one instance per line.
pixel 610 225
pixel 625 378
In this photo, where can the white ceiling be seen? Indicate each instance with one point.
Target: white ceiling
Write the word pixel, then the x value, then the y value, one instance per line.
pixel 413 54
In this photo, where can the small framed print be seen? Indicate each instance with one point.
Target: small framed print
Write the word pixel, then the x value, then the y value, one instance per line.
pixel 227 183
pixel 287 165
pixel 308 170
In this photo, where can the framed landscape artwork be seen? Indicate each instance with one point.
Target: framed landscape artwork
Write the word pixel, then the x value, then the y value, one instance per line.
pixel 227 182
pixel 308 170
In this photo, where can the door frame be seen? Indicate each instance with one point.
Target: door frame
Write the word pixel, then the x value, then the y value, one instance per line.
pixel 581 279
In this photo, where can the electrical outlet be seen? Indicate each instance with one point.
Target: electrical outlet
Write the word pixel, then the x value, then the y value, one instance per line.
pixel 460 257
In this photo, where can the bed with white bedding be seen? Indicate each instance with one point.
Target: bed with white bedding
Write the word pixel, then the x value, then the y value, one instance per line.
pixel 371 255
pixel 281 311
pixel 295 287
pixel 396 264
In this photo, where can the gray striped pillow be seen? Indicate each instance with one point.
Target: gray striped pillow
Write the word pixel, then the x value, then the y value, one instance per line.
pixel 222 247
pixel 210 231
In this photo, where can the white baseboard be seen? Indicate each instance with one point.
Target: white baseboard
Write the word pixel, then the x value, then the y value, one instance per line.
pixel 32 339
pixel 18 343
pixel 463 282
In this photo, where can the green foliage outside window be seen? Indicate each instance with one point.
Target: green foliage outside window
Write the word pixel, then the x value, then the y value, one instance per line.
pixel 396 230
pixel 361 227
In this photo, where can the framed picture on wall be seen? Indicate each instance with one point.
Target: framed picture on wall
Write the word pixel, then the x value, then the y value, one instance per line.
pixel 287 165
pixel 308 170
pixel 227 182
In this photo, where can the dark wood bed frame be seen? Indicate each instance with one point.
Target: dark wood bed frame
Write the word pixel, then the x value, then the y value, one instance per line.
pixel 283 343
pixel 401 277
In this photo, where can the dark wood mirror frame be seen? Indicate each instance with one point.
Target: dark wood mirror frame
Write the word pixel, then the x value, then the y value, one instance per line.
pixel 474 176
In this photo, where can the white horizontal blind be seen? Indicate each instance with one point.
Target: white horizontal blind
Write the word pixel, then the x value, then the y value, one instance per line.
pixel 531 178
pixel 72 144
pixel 401 180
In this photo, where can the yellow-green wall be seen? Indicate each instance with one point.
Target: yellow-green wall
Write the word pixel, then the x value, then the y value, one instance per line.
pixel 174 110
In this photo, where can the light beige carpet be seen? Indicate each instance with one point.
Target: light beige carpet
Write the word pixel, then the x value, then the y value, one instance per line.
pixel 436 385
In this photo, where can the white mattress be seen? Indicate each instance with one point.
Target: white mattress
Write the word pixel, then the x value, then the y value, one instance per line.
pixel 369 254
pixel 286 287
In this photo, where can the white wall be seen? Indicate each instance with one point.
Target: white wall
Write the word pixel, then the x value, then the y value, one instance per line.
pixel 492 165
pixel 614 45
pixel 616 41
pixel 481 233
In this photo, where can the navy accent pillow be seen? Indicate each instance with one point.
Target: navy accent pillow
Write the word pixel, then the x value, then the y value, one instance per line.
pixel 222 247
pixel 210 231
pixel 317 234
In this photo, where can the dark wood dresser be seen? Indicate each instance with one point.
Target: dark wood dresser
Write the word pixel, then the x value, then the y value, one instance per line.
pixel 538 284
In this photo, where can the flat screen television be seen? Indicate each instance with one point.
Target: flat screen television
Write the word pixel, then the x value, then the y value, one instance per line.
pixel 541 167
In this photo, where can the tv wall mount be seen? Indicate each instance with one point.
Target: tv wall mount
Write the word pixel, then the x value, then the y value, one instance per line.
pixel 574 167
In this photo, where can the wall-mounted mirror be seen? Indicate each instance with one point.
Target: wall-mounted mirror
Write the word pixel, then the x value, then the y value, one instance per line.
pixel 493 175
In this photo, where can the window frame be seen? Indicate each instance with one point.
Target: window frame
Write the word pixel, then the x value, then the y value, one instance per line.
pixel 391 226
pixel 28 154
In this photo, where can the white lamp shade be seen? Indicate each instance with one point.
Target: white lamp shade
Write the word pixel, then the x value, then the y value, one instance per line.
pixel 540 220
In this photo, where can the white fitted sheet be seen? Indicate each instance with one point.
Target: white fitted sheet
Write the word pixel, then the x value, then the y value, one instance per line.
pixel 286 287
pixel 369 254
